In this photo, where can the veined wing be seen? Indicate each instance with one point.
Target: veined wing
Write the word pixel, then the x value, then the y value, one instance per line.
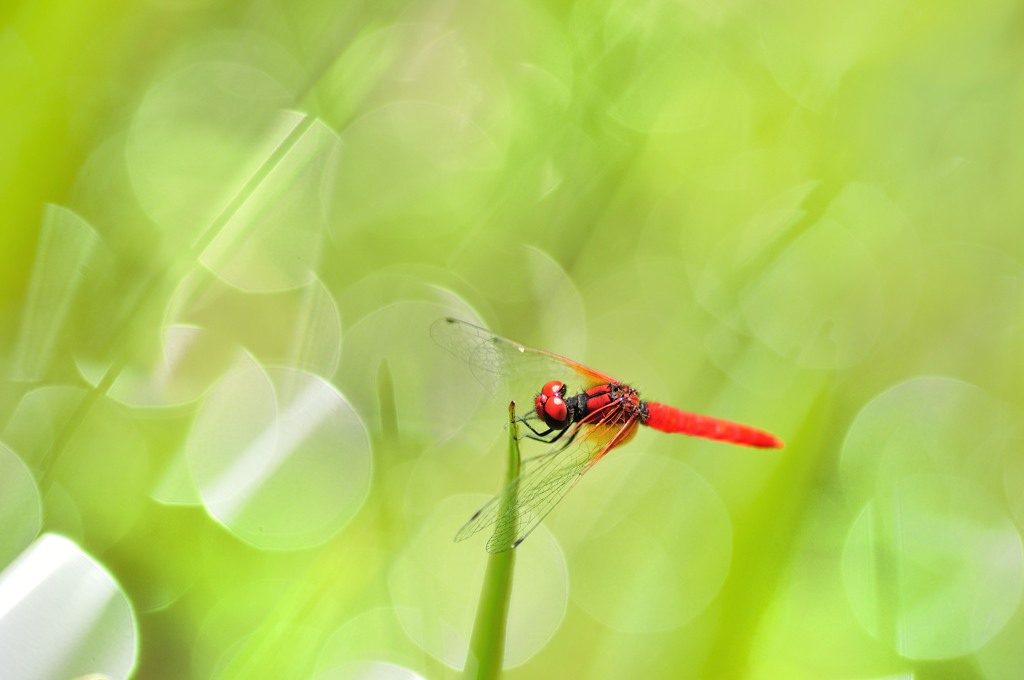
pixel 508 369
pixel 526 501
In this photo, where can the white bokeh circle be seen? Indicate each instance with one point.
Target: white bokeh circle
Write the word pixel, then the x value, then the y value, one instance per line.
pixel 279 457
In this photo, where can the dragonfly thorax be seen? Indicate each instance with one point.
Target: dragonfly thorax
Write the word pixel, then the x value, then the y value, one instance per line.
pixel 612 403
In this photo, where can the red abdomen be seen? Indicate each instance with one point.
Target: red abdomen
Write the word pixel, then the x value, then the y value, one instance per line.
pixel 670 419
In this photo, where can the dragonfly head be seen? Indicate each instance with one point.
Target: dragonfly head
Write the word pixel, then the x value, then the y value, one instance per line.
pixel 551 407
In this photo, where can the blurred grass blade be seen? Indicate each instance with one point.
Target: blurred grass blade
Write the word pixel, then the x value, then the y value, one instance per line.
pixel 388 411
pixel 487 646
pixel 66 244
pixel 271 239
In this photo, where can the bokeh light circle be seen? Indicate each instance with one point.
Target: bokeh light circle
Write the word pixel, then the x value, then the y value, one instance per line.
pixel 231 107
pixel 185 363
pixel 435 585
pixel 824 325
pixel 69 255
pixel 832 41
pixel 62 615
pixel 279 457
pixel 21 508
pixel 411 160
pixel 1013 480
pixel 369 670
pixel 928 424
pixel 860 248
pixel 105 457
pixel 300 327
pixel 935 569
pixel 649 543
pixel 532 278
pixel 1000 657
pixel 397 337
pixel 272 240
pixel 372 634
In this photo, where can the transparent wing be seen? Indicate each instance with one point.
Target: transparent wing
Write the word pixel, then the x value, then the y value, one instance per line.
pixel 525 501
pixel 508 369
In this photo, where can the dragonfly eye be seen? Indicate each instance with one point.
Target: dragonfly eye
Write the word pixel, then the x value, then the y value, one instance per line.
pixel 550 405
pixel 553 411
pixel 554 388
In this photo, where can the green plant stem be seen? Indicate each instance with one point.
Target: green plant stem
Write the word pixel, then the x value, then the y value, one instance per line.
pixel 487 646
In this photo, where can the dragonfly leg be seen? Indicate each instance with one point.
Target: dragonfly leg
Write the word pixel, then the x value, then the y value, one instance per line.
pixel 557 449
pixel 548 436
pixel 539 436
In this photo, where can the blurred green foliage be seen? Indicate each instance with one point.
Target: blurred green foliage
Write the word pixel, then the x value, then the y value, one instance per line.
pixel 221 219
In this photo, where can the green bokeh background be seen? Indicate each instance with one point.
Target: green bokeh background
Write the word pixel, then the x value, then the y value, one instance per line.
pixel 806 216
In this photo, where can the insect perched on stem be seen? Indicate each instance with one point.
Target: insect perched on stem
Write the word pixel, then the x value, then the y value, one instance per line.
pixel 581 428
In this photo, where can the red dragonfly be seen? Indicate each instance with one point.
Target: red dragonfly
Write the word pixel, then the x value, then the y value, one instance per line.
pixel 582 428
